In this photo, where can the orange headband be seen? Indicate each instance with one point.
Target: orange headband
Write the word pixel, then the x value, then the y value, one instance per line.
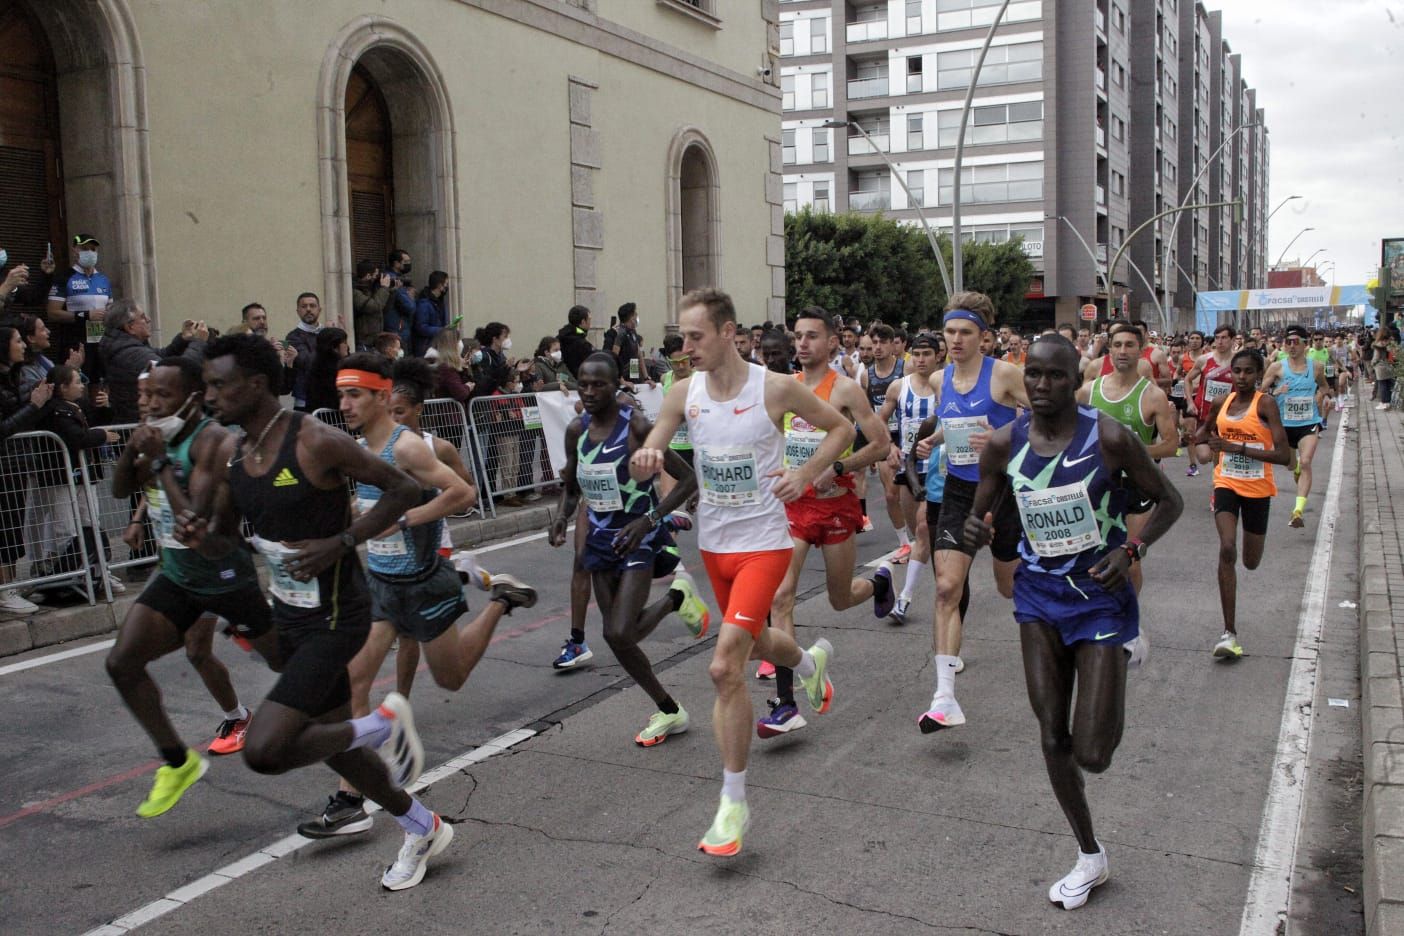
pixel 365 379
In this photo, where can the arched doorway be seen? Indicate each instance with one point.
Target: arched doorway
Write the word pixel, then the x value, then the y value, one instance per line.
pixel 369 170
pixel 693 221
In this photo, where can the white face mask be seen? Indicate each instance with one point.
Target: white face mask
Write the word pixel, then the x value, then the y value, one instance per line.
pixel 170 426
pixel 399 353
pixel 507 344
pixel 556 355
pixel 87 259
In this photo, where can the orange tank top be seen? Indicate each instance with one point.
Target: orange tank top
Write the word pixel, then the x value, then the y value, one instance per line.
pixel 1248 477
pixel 798 432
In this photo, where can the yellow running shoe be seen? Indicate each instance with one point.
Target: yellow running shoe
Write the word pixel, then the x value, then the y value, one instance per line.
pixel 660 726
pixel 171 783
pixel 1296 522
pixel 723 839
pixel 693 610
pixel 1228 647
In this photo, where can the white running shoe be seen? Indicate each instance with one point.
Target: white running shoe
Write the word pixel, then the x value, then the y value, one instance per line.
pixel 945 712
pixel 402 751
pixel 1071 892
pixel 410 864
pixel 12 603
pixel 960 665
pixel 1137 650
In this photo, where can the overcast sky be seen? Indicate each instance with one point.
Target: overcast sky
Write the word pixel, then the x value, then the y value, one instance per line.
pixel 1330 77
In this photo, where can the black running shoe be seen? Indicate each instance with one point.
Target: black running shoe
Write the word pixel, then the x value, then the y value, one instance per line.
pixel 512 592
pixel 345 815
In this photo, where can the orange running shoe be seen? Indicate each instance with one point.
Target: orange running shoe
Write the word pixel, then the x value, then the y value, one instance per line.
pixel 229 739
pixel 901 556
pixel 766 670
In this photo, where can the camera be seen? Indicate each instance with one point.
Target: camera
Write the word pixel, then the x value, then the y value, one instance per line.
pixel 763 70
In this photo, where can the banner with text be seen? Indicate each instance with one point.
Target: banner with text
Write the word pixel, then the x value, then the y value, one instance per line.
pixel 1305 297
pixel 558 409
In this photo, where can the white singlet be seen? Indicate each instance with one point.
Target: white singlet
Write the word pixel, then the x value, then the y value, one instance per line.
pixel 735 446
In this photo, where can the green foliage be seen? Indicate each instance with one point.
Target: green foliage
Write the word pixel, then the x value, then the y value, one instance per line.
pixel 879 270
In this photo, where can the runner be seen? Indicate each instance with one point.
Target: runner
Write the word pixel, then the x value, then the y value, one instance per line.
pixel 1075 609
pixel 1244 430
pixel 912 399
pixel 734 413
pixel 1320 352
pixel 976 394
pixel 1303 395
pixel 178 606
pixel 290 482
pixel 1211 379
pixel 416 593
pixel 1140 406
pixel 827 515
pixel 628 542
pixel 886 369
pixel 930 445
pixel 1346 361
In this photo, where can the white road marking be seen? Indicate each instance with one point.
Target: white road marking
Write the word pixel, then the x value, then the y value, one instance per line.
pixel 1270 886
pixel 519 540
pixel 291 843
pixel 56 657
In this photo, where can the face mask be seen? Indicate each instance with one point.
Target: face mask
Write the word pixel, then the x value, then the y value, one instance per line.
pixel 406 270
pixel 399 353
pixel 87 259
pixel 507 345
pixel 170 426
pixel 478 357
pixel 556 356
pixel 4 258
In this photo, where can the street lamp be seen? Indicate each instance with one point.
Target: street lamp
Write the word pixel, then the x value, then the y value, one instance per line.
pixel 1237 203
pixel 921 216
pixel 1279 206
pixel 1289 246
pixel 1101 270
pixel 1307 261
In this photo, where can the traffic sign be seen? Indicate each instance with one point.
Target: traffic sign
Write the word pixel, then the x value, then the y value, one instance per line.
pixel 1089 313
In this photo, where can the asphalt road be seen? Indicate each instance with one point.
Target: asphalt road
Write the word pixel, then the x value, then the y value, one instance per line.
pixel 861 824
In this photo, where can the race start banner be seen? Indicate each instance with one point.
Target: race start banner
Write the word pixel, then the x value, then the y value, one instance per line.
pixel 1305 297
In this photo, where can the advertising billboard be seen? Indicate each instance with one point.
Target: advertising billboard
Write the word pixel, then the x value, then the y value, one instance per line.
pixel 1392 265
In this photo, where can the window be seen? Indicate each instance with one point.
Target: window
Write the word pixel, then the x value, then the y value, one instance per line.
pixel 914 85
pixel 787 37
pixel 965 14
pixel 818 35
pixel 1118 75
pixel 703 10
pixel 787 92
pixel 916 187
pixel 1001 182
pixel 1118 183
pixel 790 197
pixel 1118 18
pixel 914 132
pixel 998 123
pixel 1003 65
pixel 821 145
pixel 1118 129
pixel 787 147
pixel 819 90
pixel 821 196
pixel 1169 129
pixel 913 17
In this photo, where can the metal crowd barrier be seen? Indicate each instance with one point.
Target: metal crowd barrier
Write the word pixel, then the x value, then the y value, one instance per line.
pixel 507 431
pixel 43 514
pixel 114 514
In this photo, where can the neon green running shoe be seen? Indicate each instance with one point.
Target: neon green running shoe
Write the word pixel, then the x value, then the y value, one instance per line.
pixel 693 610
pixel 817 688
pixel 660 726
pixel 1228 647
pixel 724 837
pixel 171 783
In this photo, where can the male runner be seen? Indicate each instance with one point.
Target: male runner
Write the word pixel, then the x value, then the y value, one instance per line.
pixel 1303 397
pixel 1140 406
pixel 1320 352
pixel 976 394
pixel 288 476
pixel 734 414
pixel 827 515
pixel 1075 608
pixel 886 369
pixel 1211 379
pixel 912 399
pixel 174 610
pixel 628 542
pixel 416 593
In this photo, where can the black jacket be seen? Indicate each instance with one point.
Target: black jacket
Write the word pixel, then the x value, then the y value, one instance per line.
pixel 69 422
pixel 124 357
pixel 17 414
pixel 575 347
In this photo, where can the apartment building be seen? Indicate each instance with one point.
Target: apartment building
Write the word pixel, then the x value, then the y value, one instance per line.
pixel 1086 118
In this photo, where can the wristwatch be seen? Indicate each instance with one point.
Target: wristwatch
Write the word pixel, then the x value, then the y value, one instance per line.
pixel 839 469
pixel 1136 549
pixel 159 463
pixel 404 522
pixel 348 539
pixel 653 516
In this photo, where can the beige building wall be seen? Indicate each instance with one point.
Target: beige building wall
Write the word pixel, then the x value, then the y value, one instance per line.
pixel 240 178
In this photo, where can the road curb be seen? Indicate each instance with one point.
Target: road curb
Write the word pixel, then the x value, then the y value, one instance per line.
pixel 1380 444
pixel 50 628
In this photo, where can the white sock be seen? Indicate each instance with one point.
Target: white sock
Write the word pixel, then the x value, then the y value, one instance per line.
pixel 945 675
pixel 237 713
pixel 805 667
pixel 914 570
pixel 734 785
pixel 903 537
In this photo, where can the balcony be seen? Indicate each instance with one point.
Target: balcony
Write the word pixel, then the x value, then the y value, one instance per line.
pixel 858 146
pixel 1101 22
pixel 867 88
pixel 1101 138
pixel 867 31
pixel 869 201
pixel 1101 80
pixel 1101 195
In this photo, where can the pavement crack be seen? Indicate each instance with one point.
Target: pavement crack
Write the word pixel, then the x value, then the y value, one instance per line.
pixel 609 920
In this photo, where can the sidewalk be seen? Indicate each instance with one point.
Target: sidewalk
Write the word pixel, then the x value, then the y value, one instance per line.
pixel 1381 649
pixel 50 627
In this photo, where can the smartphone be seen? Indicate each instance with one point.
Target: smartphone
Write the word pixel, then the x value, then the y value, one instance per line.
pixel 49 253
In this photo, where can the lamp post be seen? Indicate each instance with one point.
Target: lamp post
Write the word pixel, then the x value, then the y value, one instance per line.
pixel 1289 245
pixel 921 216
pixel 956 260
pixel 1307 261
pixel 1147 223
pixel 1279 208
pixel 1104 272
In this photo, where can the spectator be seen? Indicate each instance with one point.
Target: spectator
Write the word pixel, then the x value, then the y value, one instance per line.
pixel 493 370
pixel 548 370
pixel 388 344
pixel 745 345
pixel 80 300
pixel 36 364
pixel 17 414
pixel 321 377
pixel 253 320
pixel 453 378
pixel 370 295
pixel 21 286
pixel 574 337
pixel 303 340
pixel 126 352
pixel 431 312
pixel 399 312
pixel 623 342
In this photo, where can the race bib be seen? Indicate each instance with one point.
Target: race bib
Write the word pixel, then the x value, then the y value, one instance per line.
pixel 1243 468
pixel 158 508
pixel 600 484
pixel 800 446
pixel 679 439
pixel 909 435
pixel 1059 521
pixel 1298 409
pixel 958 430
pixel 1216 389
pixel 1177 390
pixel 894 422
pixel 1330 369
pixel 284 587
pixel 392 545
pixel 729 477
pixel 634 369
pixel 531 417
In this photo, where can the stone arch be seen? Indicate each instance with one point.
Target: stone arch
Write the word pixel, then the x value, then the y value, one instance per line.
pixel 425 160
pixel 693 221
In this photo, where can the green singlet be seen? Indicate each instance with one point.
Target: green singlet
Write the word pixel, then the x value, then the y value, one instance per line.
pixel 1126 410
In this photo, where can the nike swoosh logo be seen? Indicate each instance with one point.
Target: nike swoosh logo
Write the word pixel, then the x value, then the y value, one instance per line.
pixel 1069 462
pixel 738 410
pixel 742 617
pixel 612 448
pixel 975 403
pixel 946 537
pixel 1102 636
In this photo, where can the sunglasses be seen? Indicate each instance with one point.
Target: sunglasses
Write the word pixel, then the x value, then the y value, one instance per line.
pixel 1292 341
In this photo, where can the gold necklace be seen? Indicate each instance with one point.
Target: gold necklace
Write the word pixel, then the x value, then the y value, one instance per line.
pixel 257 455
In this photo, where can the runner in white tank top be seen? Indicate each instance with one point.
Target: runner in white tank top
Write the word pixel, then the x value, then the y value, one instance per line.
pixel 733 411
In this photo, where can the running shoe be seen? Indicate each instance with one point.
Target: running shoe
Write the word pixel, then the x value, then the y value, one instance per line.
pixel 229 737
pixel 817 688
pixel 900 557
pixel 783 717
pixel 410 864
pixel 116 586
pixel 944 713
pixel 345 815
pixel 1228 647
pixel 1180 452
pixel 766 670
pixel 1071 892
pixel 239 639
pixel 1296 522
pixel 693 610
pixel 572 655
pixel 680 521
pixel 512 592
pixel 171 783
pixel 1137 649
pixel 882 591
pixel 1192 471
pixel 724 837
pixel 960 665
pixel 867 526
pixel 660 726
pixel 12 603
pixel 900 609
pixel 1297 471
pixel 402 751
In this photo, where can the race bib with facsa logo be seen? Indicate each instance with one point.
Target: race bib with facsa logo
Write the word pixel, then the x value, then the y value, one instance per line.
pixel 1298 409
pixel 600 485
pixel 958 430
pixel 1059 521
pixel 1217 390
pixel 1242 467
pixel 284 587
pixel 728 476
pixel 800 446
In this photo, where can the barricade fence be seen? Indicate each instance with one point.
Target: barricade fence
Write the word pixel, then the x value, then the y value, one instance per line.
pixel 47 534
pixel 506 432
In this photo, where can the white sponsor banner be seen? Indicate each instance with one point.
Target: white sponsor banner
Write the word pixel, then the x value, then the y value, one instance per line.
pixel 558 409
